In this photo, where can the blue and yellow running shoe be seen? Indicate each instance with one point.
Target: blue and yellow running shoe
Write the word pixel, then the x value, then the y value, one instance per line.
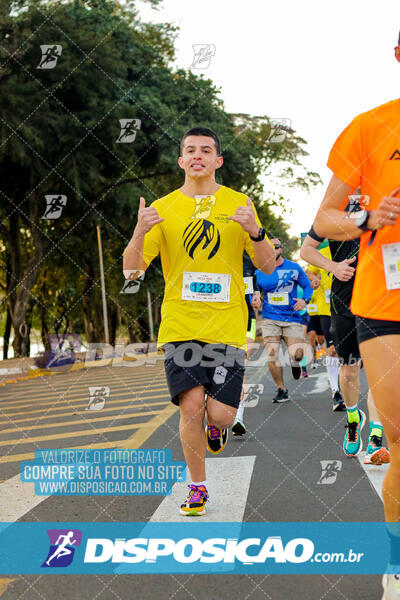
pixel 352 443
pixel 195 505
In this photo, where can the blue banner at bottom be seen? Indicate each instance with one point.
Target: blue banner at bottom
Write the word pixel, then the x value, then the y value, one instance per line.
pixel 193 547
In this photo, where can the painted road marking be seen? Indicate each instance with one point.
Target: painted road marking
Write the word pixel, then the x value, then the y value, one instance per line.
pixel 227 478
pixel 375 474
pixel 17 497
pixel 321 384
pixel 76 404
pixel 117 406
pixel 142 432
pixel 82 421
pixel 75 397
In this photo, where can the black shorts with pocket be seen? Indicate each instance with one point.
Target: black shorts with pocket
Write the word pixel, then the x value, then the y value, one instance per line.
pixel 219 368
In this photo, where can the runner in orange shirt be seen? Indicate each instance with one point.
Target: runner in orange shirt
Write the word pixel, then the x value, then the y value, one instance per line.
pixel 367 154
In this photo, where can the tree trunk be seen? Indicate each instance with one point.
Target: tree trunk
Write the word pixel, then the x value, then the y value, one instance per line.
pixel 86 305
pixel 114 323
pixel 44 327
pixel 7 332
pixel 26 281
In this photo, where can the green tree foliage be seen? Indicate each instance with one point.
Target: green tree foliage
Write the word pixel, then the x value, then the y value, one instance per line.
pixel 58 135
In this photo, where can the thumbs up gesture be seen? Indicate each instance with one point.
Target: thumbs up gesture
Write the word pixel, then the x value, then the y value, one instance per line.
pixel 147 217
pixel 343 269
pixel 245 216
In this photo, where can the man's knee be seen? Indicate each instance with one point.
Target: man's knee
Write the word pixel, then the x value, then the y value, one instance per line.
pixel 191 406
pixel 222 416
pixel 350 373
pixel 223 421
pixel 272 351
pixel 296 351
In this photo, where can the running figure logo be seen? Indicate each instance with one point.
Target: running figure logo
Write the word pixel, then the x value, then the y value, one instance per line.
pixel 131 286
pixel 252 393
pixel 203 206
pixel 129 127
pixel 50 55
pixel 97 397
pixel 62 547
pixel 55 205
pixel 198 232
pixel 286 280
pixel 356 203
pixel 203 54
pixel 330 471
pixel 279 130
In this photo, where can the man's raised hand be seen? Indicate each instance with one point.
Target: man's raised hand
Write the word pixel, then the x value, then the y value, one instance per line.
pixel 245 216
pixel 147 217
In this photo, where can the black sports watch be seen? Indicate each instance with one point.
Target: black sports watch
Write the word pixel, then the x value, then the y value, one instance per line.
pixel 361 220
pixel 260 237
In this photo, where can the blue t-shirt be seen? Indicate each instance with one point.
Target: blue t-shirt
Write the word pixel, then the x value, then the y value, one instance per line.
pixel 280 291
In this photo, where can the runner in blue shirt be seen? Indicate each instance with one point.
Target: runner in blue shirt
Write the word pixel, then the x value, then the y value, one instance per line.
pixel 281 316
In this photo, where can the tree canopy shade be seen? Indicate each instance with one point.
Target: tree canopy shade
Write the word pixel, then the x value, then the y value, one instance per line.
pixel 70 72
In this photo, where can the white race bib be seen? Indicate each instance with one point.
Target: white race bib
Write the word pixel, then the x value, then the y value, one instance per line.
pixel 312 309
pixel 327 296
pixel 391 263
pixel 248 285
pixel 278 299
pixel 206 287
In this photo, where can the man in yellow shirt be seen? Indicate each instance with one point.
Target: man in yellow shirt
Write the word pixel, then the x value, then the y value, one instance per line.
pixel 201 231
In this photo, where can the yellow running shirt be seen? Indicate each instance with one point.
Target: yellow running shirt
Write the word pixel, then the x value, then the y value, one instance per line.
pixel 201 253
pixel 321 296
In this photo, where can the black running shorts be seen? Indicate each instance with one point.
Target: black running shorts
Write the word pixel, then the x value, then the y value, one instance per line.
pixel 326 329
pixel 372 328
pixel 219 368
pixel 344 333
pixel 315 325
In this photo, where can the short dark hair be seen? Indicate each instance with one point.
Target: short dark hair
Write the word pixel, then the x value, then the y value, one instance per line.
pixel 203 131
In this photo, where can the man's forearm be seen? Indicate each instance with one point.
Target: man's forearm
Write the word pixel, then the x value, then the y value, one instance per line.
pixel 133 255
pixel 335 224
pixel 315 258
pixel 264 256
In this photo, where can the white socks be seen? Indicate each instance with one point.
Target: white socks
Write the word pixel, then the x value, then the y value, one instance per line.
pixel 240 411
pixel 333 368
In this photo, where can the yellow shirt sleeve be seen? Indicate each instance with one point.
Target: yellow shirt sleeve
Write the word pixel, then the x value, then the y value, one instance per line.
pixel 152 242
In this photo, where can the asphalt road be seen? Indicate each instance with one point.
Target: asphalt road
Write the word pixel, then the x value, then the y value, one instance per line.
pixel 288 442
